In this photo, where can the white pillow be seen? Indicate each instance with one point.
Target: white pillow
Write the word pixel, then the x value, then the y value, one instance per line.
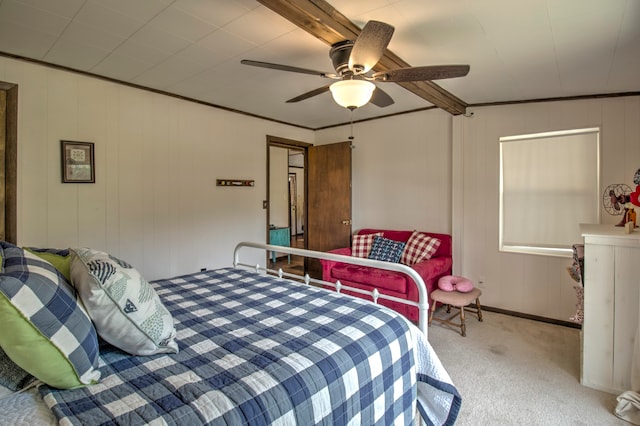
pixel 124 308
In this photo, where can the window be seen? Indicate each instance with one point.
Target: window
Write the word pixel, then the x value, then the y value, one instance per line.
pixel 549 185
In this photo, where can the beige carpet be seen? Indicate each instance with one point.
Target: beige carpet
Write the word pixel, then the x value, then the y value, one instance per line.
pixel 513 371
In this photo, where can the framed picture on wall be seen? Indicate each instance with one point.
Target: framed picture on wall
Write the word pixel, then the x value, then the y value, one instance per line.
pixel 77 162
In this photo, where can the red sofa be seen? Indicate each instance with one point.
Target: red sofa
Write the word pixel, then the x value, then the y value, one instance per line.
pixel 389 282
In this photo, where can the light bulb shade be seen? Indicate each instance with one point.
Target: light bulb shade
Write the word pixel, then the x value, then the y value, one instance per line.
pixel 352 93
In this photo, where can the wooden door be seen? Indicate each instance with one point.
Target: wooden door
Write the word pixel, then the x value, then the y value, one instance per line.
pixel 328 224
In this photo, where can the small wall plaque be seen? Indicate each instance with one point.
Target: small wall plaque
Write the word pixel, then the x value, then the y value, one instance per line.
pixel 234 182
pixel 77 162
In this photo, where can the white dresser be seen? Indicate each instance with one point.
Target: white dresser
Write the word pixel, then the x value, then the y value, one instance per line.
pixel 611 305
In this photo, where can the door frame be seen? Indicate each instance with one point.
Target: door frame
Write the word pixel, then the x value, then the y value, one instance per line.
pixel 10 118
pixel 293 201
pixel 276 141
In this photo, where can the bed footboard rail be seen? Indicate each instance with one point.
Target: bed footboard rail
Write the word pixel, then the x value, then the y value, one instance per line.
pixel 422 304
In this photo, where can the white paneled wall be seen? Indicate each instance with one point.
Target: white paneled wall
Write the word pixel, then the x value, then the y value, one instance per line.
pixel 537 285
pixel 154 202
pixel 401 171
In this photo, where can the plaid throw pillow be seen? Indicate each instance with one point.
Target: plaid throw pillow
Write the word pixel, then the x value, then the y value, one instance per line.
pixel 419 247
pixel 361 245
pixel 46 332
pixel 386 249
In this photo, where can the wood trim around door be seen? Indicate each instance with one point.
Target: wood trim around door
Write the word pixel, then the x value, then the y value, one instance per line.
pixel 276 141
pixel 10 118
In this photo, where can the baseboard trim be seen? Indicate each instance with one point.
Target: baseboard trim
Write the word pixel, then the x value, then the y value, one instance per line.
pixel 532 317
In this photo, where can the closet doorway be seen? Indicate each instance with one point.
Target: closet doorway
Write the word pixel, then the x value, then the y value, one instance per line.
pixel 286 216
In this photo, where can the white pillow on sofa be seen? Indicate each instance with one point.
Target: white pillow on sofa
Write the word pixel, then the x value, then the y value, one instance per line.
pixel 125 309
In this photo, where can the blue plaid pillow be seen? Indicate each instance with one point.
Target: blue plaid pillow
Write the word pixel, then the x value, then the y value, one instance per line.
pixel 386 249
pixel 45 331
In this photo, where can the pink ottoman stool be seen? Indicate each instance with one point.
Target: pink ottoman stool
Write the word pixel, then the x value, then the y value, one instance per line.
pixel 459 300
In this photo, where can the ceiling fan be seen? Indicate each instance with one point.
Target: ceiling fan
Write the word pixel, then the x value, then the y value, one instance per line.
pixel 353 61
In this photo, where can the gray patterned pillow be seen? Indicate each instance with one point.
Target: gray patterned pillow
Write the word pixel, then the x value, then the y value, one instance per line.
pixel 125 309
pixel 11 375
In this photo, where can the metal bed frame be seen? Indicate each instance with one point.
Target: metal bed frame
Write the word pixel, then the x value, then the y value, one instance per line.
pixel 422 304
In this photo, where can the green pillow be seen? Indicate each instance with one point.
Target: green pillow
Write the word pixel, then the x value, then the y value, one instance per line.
pixel 60 259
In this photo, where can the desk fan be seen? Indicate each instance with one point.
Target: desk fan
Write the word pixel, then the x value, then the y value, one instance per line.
pixel 614 199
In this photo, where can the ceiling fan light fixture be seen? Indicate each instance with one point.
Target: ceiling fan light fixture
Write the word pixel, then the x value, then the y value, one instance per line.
pixel 352 93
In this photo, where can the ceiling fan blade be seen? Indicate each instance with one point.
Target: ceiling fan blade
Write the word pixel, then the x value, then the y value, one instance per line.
pixel 369 46
pixel 435 72
pixel 310 94
pixel 381 98
pixel 287 68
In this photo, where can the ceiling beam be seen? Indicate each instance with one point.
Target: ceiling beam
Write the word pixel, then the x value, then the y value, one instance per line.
pixel 323 21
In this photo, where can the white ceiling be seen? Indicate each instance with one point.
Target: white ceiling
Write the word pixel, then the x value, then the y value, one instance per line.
pixel 517 49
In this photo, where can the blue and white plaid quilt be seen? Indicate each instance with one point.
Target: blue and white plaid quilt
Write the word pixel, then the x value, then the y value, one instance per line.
pixel 259 350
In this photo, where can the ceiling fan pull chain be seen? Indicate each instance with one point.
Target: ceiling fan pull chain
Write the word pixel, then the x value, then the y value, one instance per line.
pixel 351 128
